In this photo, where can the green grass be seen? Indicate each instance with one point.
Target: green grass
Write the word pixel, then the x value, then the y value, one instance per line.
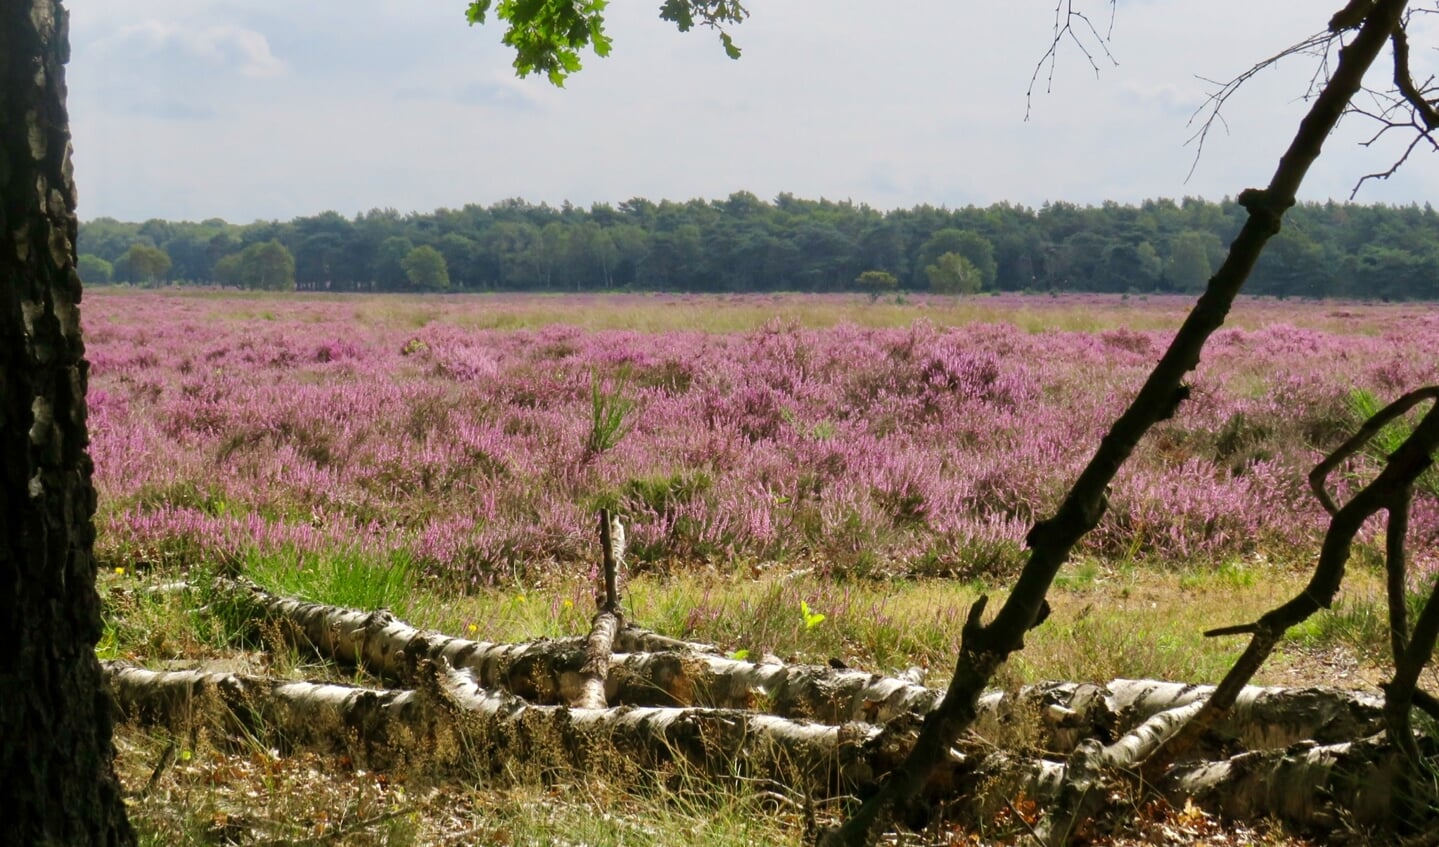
pixel 340 578
pixel 1363 405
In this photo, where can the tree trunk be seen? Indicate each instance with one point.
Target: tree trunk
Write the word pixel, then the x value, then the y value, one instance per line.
pixel 55 745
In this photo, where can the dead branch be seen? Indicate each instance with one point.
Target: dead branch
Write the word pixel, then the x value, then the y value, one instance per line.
pixel 984 647
pixel 1065 18
pixel 1212 109
pixel 607 622
pixel 391 726
pixel 1387 489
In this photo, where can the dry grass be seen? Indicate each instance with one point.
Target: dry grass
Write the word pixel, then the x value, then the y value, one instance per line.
pixel 720 313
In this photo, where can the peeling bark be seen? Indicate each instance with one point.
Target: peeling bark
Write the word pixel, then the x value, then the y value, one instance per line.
pixel 1315 788
pixel 595 671
pixel 548 672
pixel 386 726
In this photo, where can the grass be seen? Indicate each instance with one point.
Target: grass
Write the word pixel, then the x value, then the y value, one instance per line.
pixel 339 578
pixel 1107 621
pixel 718 313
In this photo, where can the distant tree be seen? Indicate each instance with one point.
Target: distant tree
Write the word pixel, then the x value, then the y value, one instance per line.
pixel 952 273
pixel 189 255
pixel 145 263
pixel 316 259
pixel 227 270
pixel 425 269
pixel 1129 267
pixel 95 270
pixel 1188 267
pixel 972 246
pixel 267 266
pixel 220 245
pixel 389 271
pixel 462 259
pixel 876 283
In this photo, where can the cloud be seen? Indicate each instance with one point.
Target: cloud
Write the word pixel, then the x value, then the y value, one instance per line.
pixel 224 46
pixel 244 48
pixel 497 95
pixel 1168 98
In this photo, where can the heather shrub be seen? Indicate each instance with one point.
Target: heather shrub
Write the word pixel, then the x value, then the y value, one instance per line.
pixel 478 442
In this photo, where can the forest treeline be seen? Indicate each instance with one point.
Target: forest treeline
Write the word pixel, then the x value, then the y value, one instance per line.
pixel 743 243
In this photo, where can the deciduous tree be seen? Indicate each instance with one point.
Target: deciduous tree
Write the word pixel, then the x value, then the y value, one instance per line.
pixel 267 266
pixel 145 263
pixel 952 273
pixel 425 269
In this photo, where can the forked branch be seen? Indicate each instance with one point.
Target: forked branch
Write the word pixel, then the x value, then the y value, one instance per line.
pixel 1066 18
pixel 1388 491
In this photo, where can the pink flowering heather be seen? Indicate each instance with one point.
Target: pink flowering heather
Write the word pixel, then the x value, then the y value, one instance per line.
pixel 224 425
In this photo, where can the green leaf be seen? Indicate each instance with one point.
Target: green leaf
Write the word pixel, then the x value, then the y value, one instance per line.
pixel 730 48
pixel 739 655
pixel 678 12
pixel 475 14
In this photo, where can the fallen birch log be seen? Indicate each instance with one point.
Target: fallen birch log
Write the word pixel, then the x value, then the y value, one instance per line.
pixel 1262 718
pixel 1306 785
pixel 377 727
pixel 1317 788
pixel 548 671
pixel 498 728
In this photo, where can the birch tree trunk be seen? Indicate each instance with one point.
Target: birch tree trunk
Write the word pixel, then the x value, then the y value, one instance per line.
pixel 56 754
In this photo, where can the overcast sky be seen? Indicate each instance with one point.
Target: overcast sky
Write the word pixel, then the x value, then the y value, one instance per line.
pixel 269 109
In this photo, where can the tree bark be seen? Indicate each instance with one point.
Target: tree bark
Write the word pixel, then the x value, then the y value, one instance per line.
pixel 1318 788
pixel 599 647
pixel 547 672
pixel 449 722
pixel 386 726
pixel 56 752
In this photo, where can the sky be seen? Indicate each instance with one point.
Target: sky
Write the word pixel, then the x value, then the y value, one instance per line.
pixel 271 109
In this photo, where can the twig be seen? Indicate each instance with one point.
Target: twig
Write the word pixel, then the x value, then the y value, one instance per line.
pixel 167 758
pixel 339 832
pixel 1064 17
pixel 1214 104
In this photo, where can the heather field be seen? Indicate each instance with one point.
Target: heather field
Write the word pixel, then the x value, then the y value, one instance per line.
pixel 472 438
pixel 791 467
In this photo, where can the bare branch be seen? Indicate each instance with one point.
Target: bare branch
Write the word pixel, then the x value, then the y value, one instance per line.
pixel 1367 431
pixel 1211 110
pixel 1065 17
pixel 1404 81
pixel 1422 135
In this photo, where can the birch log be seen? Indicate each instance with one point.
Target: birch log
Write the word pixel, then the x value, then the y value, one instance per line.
pixel 389 725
